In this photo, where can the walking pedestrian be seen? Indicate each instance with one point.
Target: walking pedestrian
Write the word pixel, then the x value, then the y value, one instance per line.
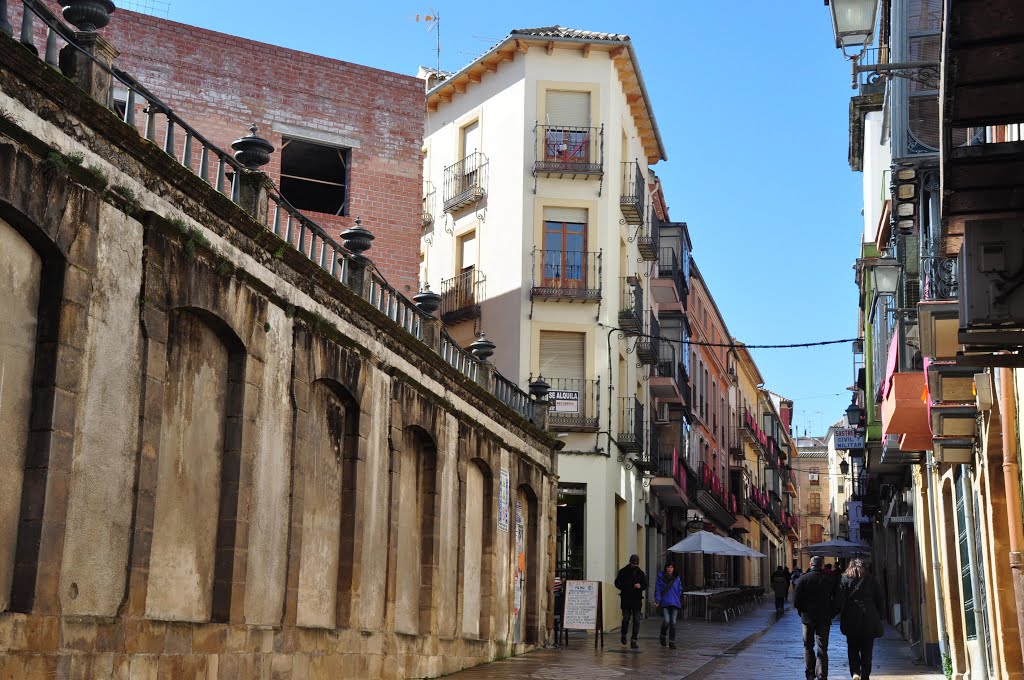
pixel 780 585
pixel 814 602
pixel 797 573
pixel 668 594
pixel 632 583
pixel 861 613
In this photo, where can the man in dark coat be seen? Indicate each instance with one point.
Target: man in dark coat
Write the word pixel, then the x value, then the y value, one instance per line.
pixel 632 583
pixel 813 599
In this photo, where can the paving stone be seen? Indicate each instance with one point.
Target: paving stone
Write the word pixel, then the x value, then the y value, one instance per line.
pixel 755 646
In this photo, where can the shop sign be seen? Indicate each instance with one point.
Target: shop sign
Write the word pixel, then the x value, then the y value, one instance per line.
pixel 849 438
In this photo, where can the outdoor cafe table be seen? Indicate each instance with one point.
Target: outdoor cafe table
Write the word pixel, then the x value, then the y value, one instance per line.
pixel 696 602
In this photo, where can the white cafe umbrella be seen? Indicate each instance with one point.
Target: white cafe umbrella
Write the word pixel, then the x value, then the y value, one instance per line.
pixel 837 548
pixel 712 544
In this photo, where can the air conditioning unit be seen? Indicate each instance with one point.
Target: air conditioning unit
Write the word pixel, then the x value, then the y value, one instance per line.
pixel 812 476
pixel 989 270
pixel 661 414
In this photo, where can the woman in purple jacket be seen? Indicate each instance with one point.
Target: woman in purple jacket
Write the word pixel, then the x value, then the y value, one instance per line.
pixel 668 594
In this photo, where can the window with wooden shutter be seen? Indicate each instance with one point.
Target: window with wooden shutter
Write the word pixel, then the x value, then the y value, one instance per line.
pixel 562 355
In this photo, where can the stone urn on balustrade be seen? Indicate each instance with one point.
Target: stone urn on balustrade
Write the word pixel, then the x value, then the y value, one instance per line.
pixel 88 15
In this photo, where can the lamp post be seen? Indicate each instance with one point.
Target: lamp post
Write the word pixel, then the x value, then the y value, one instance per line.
pixel 853 25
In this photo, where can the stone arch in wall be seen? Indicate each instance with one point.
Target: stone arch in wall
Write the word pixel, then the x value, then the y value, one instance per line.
pixel 21 284
pixel 478 548
pixel 331 438
pixel 198 470
pixel 416 547
pixel 526 564
pixel 47 225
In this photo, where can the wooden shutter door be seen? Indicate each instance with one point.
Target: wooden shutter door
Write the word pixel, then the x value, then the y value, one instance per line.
pixel 562 355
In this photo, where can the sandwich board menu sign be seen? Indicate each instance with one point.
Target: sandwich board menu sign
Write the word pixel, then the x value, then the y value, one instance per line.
pixel 583 608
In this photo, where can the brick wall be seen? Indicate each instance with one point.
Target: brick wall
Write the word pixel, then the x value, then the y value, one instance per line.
pixel 221 84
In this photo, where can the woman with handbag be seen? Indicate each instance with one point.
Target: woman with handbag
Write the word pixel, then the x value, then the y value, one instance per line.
pixel 668 594
pixel 861 615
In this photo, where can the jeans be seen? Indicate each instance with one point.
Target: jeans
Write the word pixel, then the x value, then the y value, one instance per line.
pixel 626 614
pixel 668 622
pixel 816 634
pixel 860 648
pixel 780 603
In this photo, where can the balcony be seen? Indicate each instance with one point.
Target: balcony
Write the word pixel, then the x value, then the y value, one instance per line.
pixel 633 195
pixel 753 433
pixel 939 278
pixel 574 404
pixel 571 152
pixel 428 204
pixel 664 381
pixel 461 296
pixel 903 411
pixel 631 300
pixel 631 425
pixel 647 346
pixel 714 497
pixel 647 459
pixel 670 288
pixel 566 276
pixel 669 483
pixel 736 445
pixel 465 182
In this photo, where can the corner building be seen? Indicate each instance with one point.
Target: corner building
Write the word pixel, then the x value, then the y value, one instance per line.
pixel 537 231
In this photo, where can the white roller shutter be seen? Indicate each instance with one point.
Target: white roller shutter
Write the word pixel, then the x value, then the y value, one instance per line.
pixel 568 108
pixel 562 354
pixel 471 138
pixel 568 215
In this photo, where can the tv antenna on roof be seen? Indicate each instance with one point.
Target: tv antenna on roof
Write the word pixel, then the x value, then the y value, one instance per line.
pixel 433 22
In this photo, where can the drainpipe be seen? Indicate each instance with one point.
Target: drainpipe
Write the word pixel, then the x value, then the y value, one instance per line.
pixel 972 561
pixel 940 609
pixel 1011 481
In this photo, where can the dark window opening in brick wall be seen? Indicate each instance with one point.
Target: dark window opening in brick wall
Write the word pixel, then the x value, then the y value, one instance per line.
pixel 314 177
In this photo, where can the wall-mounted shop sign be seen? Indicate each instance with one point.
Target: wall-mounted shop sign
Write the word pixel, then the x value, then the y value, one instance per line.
pixel 849 438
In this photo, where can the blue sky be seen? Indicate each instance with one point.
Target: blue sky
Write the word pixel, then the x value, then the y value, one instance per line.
pixel 751 99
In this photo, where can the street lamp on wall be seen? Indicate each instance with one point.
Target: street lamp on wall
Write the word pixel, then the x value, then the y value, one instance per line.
pixel 853 25
pixel 854 413
pixel 853 22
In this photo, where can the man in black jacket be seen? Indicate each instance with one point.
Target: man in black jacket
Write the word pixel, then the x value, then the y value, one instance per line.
pixel 813 599
pixel 631 582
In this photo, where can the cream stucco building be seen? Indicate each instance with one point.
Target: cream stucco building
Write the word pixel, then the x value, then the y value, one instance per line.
pixel 536 232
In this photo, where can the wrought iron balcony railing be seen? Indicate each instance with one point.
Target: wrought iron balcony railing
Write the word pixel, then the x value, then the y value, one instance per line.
pixel 461 296
pixel 428 203
pixel 711 483
pixel 631 425
pixel 569 151
pixel 939 278
pixel 465 181
pixel 631 301
pixel 649 344
pixel 574 404
pixel 670 267
pixel 570 275
pixel 633 194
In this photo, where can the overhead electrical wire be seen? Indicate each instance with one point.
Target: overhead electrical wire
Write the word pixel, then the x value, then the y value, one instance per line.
pixel 732 345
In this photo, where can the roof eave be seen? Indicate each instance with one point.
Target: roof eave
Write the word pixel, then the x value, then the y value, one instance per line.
pixel 662 154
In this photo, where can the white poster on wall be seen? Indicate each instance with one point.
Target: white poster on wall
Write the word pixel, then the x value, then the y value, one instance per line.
pixel 503 500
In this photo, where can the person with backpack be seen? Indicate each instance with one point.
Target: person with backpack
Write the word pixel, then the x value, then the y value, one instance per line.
pixel 668 594
pixel 813 600
pixel 861 616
